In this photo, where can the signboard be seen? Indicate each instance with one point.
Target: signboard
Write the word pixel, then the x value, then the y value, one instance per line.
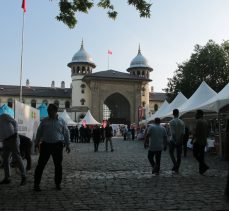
pixel 28 119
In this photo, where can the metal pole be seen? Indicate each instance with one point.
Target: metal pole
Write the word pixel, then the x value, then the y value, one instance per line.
pixel 22 44
pixel 108 62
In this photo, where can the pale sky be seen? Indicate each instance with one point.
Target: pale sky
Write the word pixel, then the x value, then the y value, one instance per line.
pixel 166 39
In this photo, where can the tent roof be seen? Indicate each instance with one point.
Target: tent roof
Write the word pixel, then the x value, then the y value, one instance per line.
pixel 89 119
pixel 64 115
pixel 5 109
pixel 217 101
pixel 179 100
pixel 43 110
pixel 160 111
pixel 202 94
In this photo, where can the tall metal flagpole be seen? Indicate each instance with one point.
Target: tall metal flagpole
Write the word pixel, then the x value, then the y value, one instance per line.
pixel 22 44
pixel 108 62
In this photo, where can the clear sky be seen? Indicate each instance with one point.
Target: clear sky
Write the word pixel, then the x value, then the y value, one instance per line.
pixel 167 38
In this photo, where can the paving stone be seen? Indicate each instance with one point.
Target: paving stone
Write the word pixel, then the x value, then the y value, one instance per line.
pixel 120 180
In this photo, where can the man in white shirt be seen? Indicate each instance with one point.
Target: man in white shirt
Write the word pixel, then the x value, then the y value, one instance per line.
pixel 10 139
pixel 157 137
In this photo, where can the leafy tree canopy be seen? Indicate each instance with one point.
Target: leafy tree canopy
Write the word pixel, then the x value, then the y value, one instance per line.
pixel 209 63
pixel 70 8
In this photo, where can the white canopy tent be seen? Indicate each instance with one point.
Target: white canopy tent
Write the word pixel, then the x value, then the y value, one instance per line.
pixel 179 100
pixel 160 111
pixel 216 102
pixel 64 115
pixel 201 95
pixel 89 119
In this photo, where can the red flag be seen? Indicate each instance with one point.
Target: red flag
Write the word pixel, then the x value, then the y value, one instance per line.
pixel 23 6
pixel 109 52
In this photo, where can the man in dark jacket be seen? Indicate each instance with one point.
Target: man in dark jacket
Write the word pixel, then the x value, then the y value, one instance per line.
pixel 200 141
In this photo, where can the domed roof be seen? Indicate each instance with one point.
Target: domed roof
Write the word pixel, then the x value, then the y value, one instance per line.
pixel 82 56
pixel 139 61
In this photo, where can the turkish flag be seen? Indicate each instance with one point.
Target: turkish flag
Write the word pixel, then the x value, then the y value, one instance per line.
pixel 23 6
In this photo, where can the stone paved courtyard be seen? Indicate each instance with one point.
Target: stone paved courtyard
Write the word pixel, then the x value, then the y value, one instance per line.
pixel 119 180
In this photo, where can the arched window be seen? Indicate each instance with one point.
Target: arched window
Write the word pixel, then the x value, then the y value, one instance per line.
pixel 45 102
pixel 155 107
pixel 33 103
pixel 67 104
pixel 83 70
pixel 82 101
pixel 10 102
pixel 143 103
pixel 56 102
pixel 78 69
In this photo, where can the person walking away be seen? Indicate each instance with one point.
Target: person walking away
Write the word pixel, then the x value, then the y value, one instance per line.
pixel 185 140
pixel 108 136
pixel 51 136
pixel 102 132
pixel 76 134
pixel 133 132
pixel 177 130
pixel 72 134
pixel 200 140
pixel 96 137
pixel 157 137
pixel 9 135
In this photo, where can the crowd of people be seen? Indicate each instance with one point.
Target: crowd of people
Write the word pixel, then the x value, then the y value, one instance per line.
pixel 157 138
pixel 53 135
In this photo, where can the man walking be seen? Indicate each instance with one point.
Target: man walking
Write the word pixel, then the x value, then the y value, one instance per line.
pixel 157 137
pixel 9 135
pixel 108 136
pixel 200 140
pixel 177 130
pixel 52 134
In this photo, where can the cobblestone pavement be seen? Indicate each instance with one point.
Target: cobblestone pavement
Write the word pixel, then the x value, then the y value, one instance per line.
pixel 119 180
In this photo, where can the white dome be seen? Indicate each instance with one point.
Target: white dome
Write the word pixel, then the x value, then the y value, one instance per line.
pixel 82 56
pixel 139 61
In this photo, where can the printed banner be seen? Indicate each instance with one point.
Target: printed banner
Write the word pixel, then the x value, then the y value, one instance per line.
pixel 28 119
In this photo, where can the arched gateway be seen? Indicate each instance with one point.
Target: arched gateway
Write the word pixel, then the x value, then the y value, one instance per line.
pixel 117 109
pixel 118 93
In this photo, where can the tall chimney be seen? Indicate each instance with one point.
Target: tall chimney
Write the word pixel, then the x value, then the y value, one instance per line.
pixel 62 84
pixel 53 84
pixel 27 82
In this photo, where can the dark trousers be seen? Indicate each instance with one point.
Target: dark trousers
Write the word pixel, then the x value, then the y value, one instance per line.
pixel 176 161
pixel 96 145
pixel 25 149
pixel 198 153
pixel 56 151
pixel 185 141
pixel 227 186
pixel 155 163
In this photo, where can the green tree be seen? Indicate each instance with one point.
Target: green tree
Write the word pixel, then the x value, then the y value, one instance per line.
pixel 70 8
pixel 209 63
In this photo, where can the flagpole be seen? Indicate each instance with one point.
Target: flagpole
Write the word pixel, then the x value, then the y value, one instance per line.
pixel 108 62
pixel 22 44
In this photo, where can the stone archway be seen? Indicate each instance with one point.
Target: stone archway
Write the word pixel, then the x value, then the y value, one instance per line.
pixel 119 108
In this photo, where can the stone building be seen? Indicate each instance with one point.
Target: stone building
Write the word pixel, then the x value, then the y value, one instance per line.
pixel 108 94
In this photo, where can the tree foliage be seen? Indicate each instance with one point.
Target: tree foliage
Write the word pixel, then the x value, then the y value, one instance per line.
pixel 209 63
pixel 70 8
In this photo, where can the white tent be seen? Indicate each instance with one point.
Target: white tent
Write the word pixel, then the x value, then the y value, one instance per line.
pixel 218 101
pixel 201 95
pixel 160 111
pixel 64 115
pixel 179 100
pixel 89 119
